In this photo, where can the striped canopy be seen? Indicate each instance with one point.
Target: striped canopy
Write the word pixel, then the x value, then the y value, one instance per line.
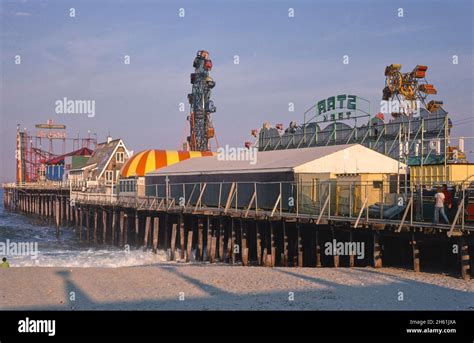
pixel 149 160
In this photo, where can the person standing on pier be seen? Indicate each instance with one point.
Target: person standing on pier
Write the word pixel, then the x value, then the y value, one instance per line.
pixel 439 207
pixel 448 201
pixel 4 263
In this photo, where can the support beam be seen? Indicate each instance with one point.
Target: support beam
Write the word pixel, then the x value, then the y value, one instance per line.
pixel 416 253
pixel 137 228
pixel 126 229
pixel 156 233
pixel 465 267
pixel 273 245
pixel 88 225
pixel 259 243
pixel 96 222
pixel 300 248
pixel 213 249
pixel 318 249
pixel 335 256
pixel 244 248
pixel 146 236
pixel 79 210
pixel 181 237
pixel 57 215
pixel 173 241
pixel 190 245
pixel 104 226
pixel 208 237
pixel 377 256
pixel 114 219
pixel 122 225
pixel 284 260
pixel 200 252
pixel 351 256
pixel 232 240
pixel 221 240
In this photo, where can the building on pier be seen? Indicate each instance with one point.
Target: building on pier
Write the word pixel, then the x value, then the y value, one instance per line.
pixel 307 172
pixel 57 168
pixel 102 169
pixel 132 174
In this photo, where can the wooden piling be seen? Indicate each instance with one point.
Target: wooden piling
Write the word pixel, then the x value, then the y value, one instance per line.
pixel 57 214
pixel 351 256
pixel 259 243
pixel 213 249
pixel 335 252
pixel 104 226
pixel 76 216
pixel 221 240
pixel 317 249
pixel 244 247
pixel 284 255
pixel 173 241
pixel 200 251
pixel 137 228
pixel 147 232
pixel 209 237
pixel 377 253
pixel 126 228
pixel 273 245
pixel 300 248
pixel 181 236
pixel 88 225
pixel 465 267
pixel 114 224
pixel 190 245
pixel 232 240
pixel 156 232
pixel 121 224
pixel 96 219
pixel 60 210
pixel 80 214
pixel 416 253
pixel 66 208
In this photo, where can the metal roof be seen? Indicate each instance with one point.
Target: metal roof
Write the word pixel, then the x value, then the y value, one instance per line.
pixel 274 161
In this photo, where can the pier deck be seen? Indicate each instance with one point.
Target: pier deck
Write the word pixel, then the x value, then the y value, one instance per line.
pixel 249 235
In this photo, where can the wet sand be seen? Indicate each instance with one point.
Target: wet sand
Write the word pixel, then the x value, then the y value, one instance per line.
pixel 174 286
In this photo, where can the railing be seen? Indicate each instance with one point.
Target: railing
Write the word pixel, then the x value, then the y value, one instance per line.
pixel 140 203
pixel 356 201
pixel 389 201
pixel 66 185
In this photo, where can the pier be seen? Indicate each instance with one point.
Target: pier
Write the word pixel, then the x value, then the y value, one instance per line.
pixel 247 224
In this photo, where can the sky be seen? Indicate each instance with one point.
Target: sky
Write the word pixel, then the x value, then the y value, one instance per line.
pixel 282 59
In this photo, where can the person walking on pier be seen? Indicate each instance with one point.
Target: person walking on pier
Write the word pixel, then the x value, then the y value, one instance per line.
pixel 439 207
pixel 4 263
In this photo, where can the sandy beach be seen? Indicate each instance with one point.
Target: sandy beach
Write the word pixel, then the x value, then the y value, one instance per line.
pixel 174 286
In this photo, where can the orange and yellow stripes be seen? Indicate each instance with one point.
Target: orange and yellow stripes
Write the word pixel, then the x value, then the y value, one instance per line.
pixel 149 160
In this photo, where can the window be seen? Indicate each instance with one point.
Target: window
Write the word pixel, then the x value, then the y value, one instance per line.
pixel 120 157
pixel 109 175
pixel 377 184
